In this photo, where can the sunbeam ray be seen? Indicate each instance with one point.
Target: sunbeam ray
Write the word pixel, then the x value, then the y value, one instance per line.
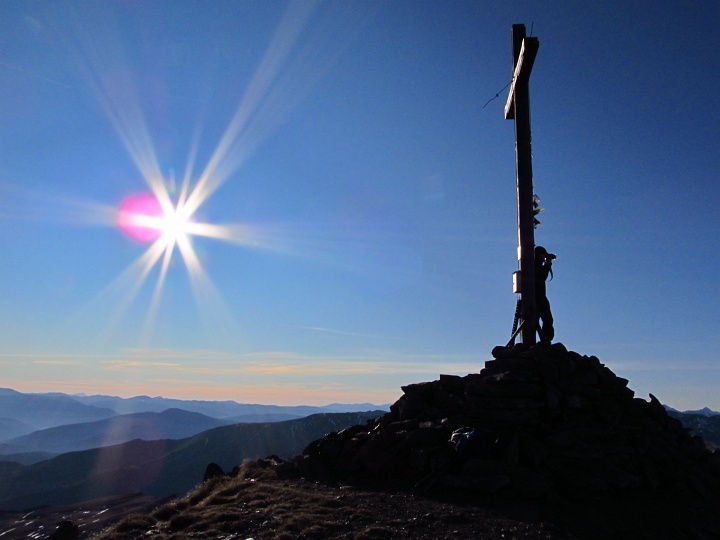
pixel 151 316
pixel 287 33
pixel 215 314
pixel 140 268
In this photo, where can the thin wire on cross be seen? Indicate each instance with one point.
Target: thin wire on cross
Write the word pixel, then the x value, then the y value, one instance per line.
pixel 497 95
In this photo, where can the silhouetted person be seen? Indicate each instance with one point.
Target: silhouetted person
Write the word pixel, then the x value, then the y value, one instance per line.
pixel 543 267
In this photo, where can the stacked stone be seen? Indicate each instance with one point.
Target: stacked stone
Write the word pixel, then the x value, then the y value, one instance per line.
pixel 537 422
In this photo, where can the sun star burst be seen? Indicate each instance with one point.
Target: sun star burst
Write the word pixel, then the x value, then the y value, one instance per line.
pixel 145 219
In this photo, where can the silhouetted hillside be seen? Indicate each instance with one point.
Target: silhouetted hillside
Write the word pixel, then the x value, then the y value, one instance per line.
pixel 158 468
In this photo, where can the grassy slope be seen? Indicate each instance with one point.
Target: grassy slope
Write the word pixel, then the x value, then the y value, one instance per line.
pixel 260 504
pixel 257 504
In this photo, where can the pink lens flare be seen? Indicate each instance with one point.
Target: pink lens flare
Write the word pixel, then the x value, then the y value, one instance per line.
pixel 140 216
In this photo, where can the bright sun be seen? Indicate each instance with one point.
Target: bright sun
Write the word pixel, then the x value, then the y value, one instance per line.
pixel 144 219
pixel 174 223
pixel 166 226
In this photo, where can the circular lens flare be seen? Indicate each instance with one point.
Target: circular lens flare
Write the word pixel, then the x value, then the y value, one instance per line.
pixel 141 217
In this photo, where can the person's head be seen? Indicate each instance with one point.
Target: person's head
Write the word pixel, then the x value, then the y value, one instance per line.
pixel 541 254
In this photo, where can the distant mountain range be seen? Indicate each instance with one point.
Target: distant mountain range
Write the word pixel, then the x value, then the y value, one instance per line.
pixel 41 411
pixel 149 426
pixel 705 411
pixel 10 428
pixel 160 467
pixel 21 414
pixel 57 448
pixel 215 409
pixel 702 424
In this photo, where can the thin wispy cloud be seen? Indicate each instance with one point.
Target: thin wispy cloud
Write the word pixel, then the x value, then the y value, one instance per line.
pixel 656 365
pixel 335 331
pixel 58 362
pixel 135 364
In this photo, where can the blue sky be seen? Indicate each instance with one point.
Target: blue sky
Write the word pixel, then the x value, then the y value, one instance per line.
pixel 361 184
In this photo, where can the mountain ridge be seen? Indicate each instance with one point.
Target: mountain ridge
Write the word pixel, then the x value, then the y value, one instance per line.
pixel 43 411
pixel 31 407
pixel 168 424
pixel 158 468
pixel 705 411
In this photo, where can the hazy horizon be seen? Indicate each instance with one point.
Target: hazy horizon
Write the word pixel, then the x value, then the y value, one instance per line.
pixel 131 396
pixel 81 394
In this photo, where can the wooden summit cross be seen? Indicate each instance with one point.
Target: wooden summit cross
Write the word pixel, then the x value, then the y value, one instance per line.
pixel 518 108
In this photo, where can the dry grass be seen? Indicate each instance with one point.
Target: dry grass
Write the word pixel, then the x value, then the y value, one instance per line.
pixel 259 505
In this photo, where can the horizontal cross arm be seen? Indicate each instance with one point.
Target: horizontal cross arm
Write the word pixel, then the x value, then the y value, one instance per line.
pixel 523 67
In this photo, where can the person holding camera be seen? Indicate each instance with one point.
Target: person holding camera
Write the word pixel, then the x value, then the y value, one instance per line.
pixel 543 267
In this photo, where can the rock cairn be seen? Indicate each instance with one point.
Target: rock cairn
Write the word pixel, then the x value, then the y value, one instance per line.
pixel 536 423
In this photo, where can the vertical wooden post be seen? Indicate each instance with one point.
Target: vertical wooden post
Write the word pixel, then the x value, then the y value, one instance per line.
pixel 518 108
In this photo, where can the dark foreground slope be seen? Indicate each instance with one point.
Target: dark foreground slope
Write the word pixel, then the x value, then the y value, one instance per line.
pixel 261 505
pixel 556 446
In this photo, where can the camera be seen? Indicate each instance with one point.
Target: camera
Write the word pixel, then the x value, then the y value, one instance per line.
pixel 551 256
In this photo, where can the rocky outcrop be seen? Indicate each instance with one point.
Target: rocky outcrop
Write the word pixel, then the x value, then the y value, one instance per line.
pixel 213 470
pixel 66 530
pixel 537 423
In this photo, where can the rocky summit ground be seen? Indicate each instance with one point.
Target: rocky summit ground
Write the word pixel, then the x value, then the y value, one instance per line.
pixel 543 443
pixel 259 504
pixel 73 521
